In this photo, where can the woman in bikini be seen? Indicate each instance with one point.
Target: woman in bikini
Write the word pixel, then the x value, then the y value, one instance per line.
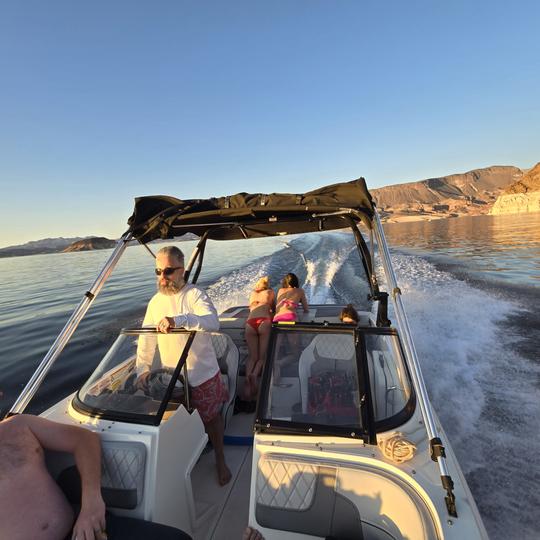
pixel 259 322
pixel 289 298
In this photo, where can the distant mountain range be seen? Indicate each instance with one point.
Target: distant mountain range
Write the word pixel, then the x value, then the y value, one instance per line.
pixel 471 193
pixel 47 245
pixel 66 245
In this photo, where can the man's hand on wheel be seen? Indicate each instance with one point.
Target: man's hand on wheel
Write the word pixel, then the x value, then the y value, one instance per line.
pixel 165 325
pixel 142 381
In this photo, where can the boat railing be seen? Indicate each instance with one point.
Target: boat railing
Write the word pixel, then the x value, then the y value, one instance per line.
pixel 436 447
pixel 57 347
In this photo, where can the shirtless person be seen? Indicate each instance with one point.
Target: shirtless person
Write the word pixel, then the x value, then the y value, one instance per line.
pixel 32 506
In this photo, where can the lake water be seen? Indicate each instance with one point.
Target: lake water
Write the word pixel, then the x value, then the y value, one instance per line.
pixel 471 288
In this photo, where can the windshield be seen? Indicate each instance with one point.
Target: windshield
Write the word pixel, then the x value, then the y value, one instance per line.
pixel 332 379
pixel 114 390
pixel 389 381
pixel 312 379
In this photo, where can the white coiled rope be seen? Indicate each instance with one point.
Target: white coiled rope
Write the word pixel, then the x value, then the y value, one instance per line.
pixel 397 448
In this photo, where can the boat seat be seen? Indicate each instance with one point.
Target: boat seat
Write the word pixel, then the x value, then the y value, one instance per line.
pixel 122 475
pixel 118 527
pixel 301 497
pixel 338 500
pixel 227 357
pixel 326 352
pixel 125 528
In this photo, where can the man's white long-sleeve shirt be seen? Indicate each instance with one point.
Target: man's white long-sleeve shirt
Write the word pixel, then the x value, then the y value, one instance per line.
pixel 192 309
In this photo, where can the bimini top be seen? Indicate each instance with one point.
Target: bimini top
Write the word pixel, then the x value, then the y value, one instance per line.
pixel 246 215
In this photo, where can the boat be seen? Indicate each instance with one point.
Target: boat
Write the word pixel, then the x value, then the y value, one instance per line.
pixel 344 442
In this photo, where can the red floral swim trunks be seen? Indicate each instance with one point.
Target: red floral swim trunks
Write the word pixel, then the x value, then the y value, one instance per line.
pixel 208 397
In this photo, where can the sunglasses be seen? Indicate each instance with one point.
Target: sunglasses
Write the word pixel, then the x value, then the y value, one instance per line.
pixel 167 271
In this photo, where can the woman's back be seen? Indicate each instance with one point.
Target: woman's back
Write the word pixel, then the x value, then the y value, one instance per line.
pixel 289 299
pixel 261 303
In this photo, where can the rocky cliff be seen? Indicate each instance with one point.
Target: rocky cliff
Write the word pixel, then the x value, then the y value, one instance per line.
pixel 470 193
pixel 87 244
pixel 521 196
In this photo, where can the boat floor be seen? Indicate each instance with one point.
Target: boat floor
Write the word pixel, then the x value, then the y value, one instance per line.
pixel 214 504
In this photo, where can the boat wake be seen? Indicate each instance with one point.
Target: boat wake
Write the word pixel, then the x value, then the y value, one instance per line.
pixel 483 390
pixel 327 267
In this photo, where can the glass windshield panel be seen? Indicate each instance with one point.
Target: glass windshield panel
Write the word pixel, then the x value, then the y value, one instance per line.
pixel 113 386
pixel 314 379
pixel 390 386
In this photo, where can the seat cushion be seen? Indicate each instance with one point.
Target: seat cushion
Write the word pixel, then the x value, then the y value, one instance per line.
pixel 124 528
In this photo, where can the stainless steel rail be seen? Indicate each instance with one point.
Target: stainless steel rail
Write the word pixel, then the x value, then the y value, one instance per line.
pixel 57 347
pixel 406 339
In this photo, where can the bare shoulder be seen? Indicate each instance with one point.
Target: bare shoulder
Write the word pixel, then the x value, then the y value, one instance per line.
pixel 268 294
pixel 18 443
pixel 15 422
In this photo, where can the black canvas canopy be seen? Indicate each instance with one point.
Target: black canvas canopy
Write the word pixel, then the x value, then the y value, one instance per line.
pixel 246 215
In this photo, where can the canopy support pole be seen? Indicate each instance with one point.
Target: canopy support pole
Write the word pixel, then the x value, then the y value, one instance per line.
pixel 436 447
pixel 198 253
pixel 61 341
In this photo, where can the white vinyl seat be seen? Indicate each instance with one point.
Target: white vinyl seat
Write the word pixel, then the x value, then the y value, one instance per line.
pixel 227 357
pixel 326 352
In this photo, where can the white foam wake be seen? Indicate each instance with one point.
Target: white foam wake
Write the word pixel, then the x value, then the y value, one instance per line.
pixel 455 331
pixel 322 264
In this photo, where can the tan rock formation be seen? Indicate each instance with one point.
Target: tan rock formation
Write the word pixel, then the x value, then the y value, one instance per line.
pixel 88 244
pixel 470 193
pixel 520 197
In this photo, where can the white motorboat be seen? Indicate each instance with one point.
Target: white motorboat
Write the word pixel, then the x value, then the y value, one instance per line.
pixel 343 444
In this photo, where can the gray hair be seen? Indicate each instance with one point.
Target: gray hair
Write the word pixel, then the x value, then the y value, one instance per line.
pixel 172 251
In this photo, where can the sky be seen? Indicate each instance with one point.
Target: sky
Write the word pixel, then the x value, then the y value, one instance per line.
pixel 102 102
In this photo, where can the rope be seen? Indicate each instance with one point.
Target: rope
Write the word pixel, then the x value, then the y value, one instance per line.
pixel 397 448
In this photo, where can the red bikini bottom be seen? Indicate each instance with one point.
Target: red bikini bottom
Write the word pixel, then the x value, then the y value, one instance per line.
pixel 255 322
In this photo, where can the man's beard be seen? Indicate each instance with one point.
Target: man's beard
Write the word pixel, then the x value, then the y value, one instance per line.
pixel 171 287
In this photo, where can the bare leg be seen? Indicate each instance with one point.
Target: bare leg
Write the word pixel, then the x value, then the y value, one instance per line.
pixel 214 428
pixel 264 336
pixel 252 339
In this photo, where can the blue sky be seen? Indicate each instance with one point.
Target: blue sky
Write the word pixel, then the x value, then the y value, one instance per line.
pixel 102 101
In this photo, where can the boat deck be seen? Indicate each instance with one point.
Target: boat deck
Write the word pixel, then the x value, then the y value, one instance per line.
pixel 215 504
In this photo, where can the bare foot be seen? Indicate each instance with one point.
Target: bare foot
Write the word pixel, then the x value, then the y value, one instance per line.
pixel 224 474
pixel 252 534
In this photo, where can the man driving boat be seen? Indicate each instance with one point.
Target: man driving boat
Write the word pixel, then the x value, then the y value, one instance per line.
pixel 178 304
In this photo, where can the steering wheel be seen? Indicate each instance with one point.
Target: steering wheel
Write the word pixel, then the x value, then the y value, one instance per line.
pixel 159 381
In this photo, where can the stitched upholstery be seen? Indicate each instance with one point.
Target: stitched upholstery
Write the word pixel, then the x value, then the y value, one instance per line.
pixel 324 349
pixel 284 484
pixel 337 347
pixel 227 357
pixel 122 466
